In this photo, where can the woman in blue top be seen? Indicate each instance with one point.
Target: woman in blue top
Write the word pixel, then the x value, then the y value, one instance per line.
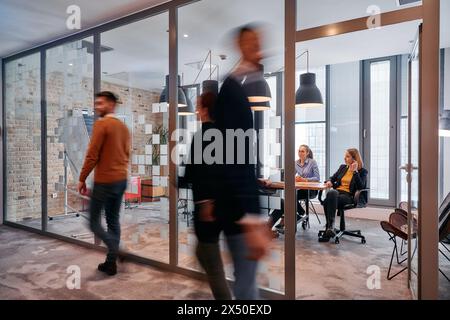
pixel 306 170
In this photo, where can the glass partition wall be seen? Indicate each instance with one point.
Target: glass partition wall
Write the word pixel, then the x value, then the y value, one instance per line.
pixel 444 154
pixel 139 80
pixel 206 54
pixel 48 115
pixel 358 112
pixel 22 115
pixel 69 96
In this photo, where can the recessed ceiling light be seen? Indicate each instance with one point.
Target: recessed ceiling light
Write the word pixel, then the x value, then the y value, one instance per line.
pixel 186 35
pixel 70 64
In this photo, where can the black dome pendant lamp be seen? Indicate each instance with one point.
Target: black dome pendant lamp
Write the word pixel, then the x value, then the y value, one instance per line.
pixel 188 109
pixel 308 94
pixel 182 100
pixel 257 89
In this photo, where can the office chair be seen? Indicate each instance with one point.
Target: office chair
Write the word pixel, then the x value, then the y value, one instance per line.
pixel 395 228
pixel 342 231
pixel 444 231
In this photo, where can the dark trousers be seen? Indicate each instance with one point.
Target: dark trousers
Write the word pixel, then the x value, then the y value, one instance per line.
pixel 335 200
pixel 107 196
pixel 301 195
pixel 208 254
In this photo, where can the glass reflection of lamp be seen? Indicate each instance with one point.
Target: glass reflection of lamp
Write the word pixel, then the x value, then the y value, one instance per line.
pixel 258 90
pixel 308 94
pixel 260 106
pixel 209 85
pixel 444 124
pixel 188 109
pixel 182 100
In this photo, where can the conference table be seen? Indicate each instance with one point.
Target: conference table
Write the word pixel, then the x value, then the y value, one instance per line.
pixel 311 186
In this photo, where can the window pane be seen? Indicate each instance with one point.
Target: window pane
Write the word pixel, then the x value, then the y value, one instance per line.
pixel 23 140
pixel 313 135
pixel 379 129
pixel 344 111
pixel 69 81
pixel 135 62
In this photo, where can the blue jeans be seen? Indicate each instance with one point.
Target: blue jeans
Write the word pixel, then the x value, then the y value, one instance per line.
pixel 109 197
pixel 244 269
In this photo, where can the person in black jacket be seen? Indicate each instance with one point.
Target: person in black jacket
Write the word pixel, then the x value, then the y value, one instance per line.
pixel 349 178
pixel 202 175
pixel 237 205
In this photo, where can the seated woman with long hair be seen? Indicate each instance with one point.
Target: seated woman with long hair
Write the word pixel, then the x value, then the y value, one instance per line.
pixel 348 179
pixel 306 170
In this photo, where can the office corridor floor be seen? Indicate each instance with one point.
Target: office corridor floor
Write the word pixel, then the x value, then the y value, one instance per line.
pixel 36 267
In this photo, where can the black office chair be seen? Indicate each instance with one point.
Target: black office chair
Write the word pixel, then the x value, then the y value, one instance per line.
pixel 342 231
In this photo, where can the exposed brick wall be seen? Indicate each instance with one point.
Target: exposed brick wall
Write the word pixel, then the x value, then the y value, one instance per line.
pixel 23 153
pixel 24 148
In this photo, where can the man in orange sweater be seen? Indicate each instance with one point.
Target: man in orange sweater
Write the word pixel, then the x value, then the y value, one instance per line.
pixel 108 153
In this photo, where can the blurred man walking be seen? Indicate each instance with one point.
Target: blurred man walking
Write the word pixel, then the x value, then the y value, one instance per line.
pixel 108 153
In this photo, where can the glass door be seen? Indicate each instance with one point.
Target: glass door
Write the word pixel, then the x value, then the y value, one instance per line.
pixel 412 165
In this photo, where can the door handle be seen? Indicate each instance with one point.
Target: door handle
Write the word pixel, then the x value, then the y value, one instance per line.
pixel 408 167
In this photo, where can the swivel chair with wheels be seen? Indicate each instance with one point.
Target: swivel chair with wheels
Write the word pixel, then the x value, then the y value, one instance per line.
pixel 342 231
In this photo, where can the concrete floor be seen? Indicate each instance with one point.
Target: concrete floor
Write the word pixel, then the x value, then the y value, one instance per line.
pixel 35 267
pixel 30 263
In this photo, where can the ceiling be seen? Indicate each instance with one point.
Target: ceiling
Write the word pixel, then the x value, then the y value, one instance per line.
pixel 25 24
pixel 140 50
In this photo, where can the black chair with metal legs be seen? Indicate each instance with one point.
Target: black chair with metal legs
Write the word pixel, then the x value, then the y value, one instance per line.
pixel 396 227
pixel 445 256
pixel 444 231
pixel 342 231
pixel 393 227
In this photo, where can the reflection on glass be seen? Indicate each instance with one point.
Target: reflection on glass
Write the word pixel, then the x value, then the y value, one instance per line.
pixel 192 50
pixel 414 162
pixel 444 151
pixel 134 66
pixel 23 140
pixel 69 84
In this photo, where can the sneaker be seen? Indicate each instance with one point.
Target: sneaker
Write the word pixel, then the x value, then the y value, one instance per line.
pixel 109 268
